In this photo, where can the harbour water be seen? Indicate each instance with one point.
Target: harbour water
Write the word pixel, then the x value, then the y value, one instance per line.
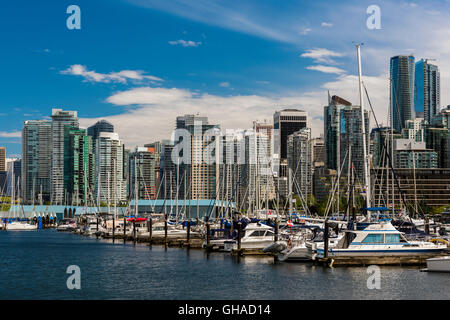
pixel 33 266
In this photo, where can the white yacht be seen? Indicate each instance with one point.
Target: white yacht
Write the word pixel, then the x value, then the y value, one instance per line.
pixel 300 249
pixel 20 226
pixel 379 239
pixel 257 236
pixel 66 225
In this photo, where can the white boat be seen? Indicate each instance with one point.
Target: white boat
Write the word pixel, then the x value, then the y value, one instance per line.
pixel 379 239
pixel 66 225
pixel 158 231
pixel 439 264
pixel 20 226
pixel 301 250
pixel 256 236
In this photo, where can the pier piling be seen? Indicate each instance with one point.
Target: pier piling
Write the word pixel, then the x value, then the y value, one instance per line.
pixel 165 231
pixel 325 239
pixel 239 235
pixel 124 229
pixel 150 229
pixel 114 229
pixel 188 238
pixel 276 230
pixel 134 230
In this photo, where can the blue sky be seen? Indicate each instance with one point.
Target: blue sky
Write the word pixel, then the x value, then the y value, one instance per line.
pixel 140 63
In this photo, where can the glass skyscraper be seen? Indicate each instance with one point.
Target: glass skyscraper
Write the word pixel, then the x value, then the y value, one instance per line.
pixel 60 119
pixel 427 90
pixel 36 164
pixel 402 70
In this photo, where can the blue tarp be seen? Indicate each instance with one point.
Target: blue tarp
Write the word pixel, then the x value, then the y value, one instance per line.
pixel 378 209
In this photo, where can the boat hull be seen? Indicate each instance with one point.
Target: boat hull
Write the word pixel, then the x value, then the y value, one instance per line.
pixel 380 252
pixel 441 264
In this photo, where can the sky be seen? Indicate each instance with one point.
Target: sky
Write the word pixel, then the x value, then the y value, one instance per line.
pixel 141 63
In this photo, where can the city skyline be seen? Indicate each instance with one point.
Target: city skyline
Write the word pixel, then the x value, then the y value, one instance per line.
pixel 181 67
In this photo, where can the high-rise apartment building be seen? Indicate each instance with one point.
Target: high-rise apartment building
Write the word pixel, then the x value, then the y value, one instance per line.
pixel 202 172
pixel 300 162
pixel 342 129
pixel 168 171
pixel 79 167
pixel 2 159
pixel 427 98
pixel 259 180
pixel 36 160
pixel 60 119
pixel 95 130
pixel 14 171
pixel 110 169
pixel 285 123
pixel 143 169
pixel 402 69
pixel 332 130
pixel 438 139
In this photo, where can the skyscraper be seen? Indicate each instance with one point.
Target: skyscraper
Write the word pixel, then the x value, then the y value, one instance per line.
pixel 2 159
pixel 427 98
pixel 201 173
pixel 300 161
pixel 285 123
pixel 402 90
pixel 438 139
pixel 60 119
pixel 343 128
pixel 110 182
pixel 333 125
pixel 36 160
pixel 79 166
pixel 144 173
pixel 168 171
pixel 95 130
pixel 258 171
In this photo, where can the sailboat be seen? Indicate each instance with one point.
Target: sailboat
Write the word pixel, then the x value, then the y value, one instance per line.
pixel 18 225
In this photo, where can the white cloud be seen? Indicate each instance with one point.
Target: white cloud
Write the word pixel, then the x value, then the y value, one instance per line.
pixel 12 134
pixel 326 69
pixel 121 76
pixel 305 31
pixel 224 84
pixel 321 55
pixel 326 24
pixel 185 43
pixel 155 109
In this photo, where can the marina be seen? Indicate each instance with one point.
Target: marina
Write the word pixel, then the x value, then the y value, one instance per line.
pixel 203 150
pixel 34 267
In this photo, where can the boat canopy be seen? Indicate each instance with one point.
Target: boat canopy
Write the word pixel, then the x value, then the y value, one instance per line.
pixel 378 209
pixel 137 219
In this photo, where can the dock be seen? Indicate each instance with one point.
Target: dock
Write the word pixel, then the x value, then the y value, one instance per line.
pixel 416 260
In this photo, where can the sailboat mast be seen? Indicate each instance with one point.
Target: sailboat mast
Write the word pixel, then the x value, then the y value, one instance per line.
pixel 364 138
pixel 392 149
pixel 135 187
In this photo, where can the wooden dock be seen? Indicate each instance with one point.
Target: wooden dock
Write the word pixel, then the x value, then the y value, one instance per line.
pixel 416 260
pixel 250 252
